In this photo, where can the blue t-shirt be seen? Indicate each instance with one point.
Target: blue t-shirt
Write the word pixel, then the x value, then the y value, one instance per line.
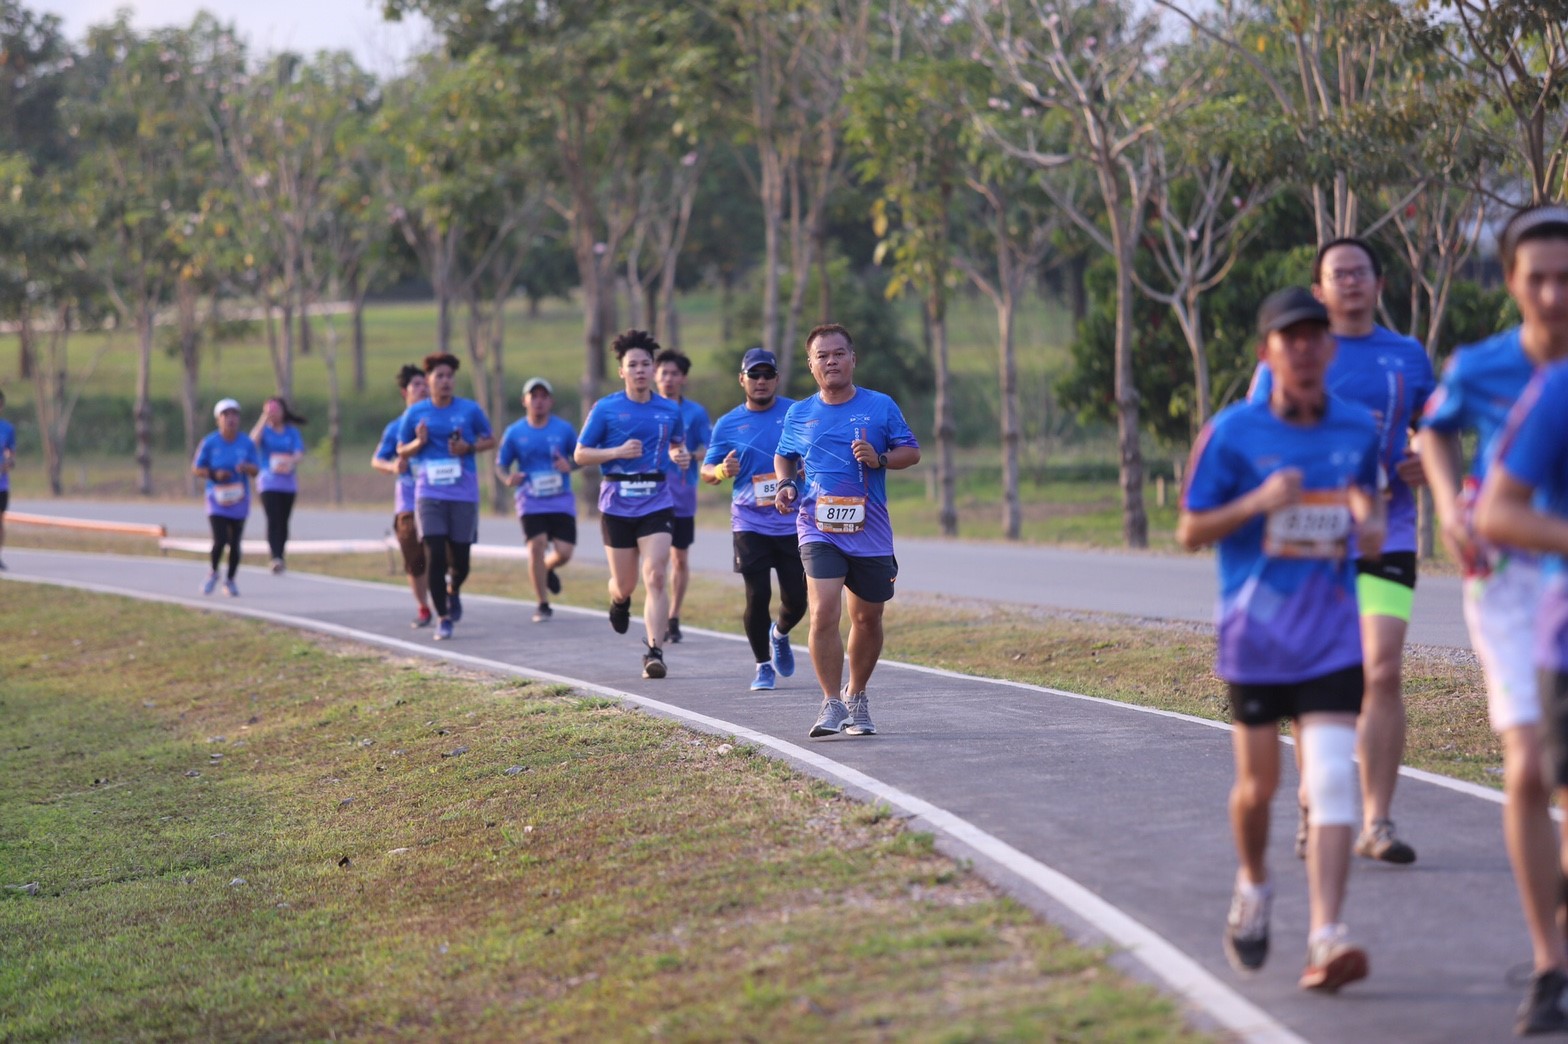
pixel 1287 609
pixel 1390 375
pixel 1532 449
pixel 403 498
pixel 753 435
pixel 7 442
pixel 844 502
pixel 1480 385
pixel 278 442
pixel 231 497
pixel 657 424
pixel 683 484
pixel 533 451
pixel 438 475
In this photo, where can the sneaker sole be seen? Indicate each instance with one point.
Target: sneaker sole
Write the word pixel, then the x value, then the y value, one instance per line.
pixel 1341 970
pixel 653 670
pixel 1395 855
pixel 761 688
pixel 818 732
pixel 860 730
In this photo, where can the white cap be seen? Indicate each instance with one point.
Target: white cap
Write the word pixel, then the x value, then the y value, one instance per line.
pixel 225 404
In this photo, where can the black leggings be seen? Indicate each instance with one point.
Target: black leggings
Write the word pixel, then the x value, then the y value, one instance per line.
pixel 226 532
pixel 279 506
pixel 759 592
pixel 436 571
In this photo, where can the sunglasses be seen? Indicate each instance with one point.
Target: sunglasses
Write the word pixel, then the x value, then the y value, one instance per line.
pixel 762 373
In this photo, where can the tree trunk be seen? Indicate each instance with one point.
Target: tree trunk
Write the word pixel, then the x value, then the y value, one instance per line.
pixel 190 360
pixel 143 415
pixel 1135 521
pixel 358 294
pixel 936 307
pixel 334 415
pixel 773 221
pixel 1012 507
pixel 496 407
pixel 45 401
pixel 286 372
pixel 306 343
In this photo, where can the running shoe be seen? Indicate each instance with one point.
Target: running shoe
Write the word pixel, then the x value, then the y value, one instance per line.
pixel 1301 831
pixel 621 615
pixel 543 613
pixel 652 662
pixel 210 584
pixel 783 655
pixel 1247 928
pixel 1333 961
pixel 424 617
pixel 831 721
pixel 444 630
pixel 230 590
pixel 552 582
pixel 859 723
pixel 673 635
pixel 455 606
pixel 277 566
pixel 1380 843
pixel 764 678
pixel 1542 1010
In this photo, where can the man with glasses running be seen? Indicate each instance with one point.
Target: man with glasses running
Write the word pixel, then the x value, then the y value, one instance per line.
pixel 741 448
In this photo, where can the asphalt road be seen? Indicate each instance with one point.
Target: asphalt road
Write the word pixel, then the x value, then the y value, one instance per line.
pixel 1108 818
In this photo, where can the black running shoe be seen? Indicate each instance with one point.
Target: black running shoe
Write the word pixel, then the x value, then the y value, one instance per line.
pixel 552 582
pixel 653 662
pixel 673 635
pixel 455 606
pixel 621 615
pixel 1542 1010
pixel 543 613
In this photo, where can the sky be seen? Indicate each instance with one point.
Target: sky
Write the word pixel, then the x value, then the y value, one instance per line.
pixel 267 25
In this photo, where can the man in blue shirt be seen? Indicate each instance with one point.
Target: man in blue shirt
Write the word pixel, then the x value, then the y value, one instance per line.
pixel 765 541
pixel 1510 596
pixel 7 459
pixel 539 447
pixel 671 369
pixel 1289 490
pixel 440 438
pixel 832 462
pixel 411 382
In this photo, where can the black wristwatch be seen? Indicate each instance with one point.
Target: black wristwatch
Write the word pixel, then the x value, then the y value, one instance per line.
pixel 882 460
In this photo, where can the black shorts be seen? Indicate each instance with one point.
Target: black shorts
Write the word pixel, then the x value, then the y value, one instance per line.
pixel 555 525
pixel 5 500
pixel 1552 685
pixel 1339 692
pixel 685 532
pixel 870 577
pixel 623 531
pixel 1397 567
pixel 759 552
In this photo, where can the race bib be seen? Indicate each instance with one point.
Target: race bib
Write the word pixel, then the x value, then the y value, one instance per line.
pixel 443 472
pixel 765 488
pixel 227 494
pixel 637 490
pixel 280 463
pixel 1318 527
pixel 544 483
pixel 841 514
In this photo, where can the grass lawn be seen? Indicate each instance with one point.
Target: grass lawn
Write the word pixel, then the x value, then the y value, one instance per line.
pixel 230 830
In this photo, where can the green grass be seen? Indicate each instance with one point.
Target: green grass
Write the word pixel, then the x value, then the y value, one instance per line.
pixel 239 832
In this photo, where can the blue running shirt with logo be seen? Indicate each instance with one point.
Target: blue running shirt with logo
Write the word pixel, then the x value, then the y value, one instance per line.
pixel 7 442
pixel 1533 448
pixel 438 475
pixel 1287 608
pixel 545 488
pixel 231 497
pixel 843 502
pixel 403 497
pixel 274 443
pixel 1390 375
pixel 753 435
pixel 683 484
pixel 1480 384
pixel 657 425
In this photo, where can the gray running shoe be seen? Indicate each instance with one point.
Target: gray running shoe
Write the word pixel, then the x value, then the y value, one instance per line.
pixel 1333 961
pixel 1542 1010
pixel 859 723
pixel 1247 929
pixel 1380 843
pixel 831 720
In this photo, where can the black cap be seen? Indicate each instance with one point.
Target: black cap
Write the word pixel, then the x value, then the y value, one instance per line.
pixel 1287 307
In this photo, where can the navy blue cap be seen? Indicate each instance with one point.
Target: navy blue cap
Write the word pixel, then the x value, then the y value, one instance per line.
pixel 758 357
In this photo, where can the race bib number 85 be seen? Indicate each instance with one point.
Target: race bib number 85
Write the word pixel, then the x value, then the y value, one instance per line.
pixel 1318 527
pixel 764 488
pixel 841 514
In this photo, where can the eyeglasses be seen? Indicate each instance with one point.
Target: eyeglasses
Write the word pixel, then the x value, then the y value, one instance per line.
pixel 762 373
pixel 1350 275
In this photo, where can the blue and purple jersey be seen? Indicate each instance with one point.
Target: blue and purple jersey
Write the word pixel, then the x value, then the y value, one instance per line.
pixel 842 501
pixel 753 435
pixel 534 452
pixel 273 447
pixel 1287 607
pixel 438 474
pixel 1480 385
pixel 657 425
pixel 229 498
pixel 403 497
pixel 7 442
pixel 683 483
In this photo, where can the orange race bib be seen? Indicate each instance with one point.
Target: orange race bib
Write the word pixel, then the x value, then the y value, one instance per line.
pixel 1318 527
pixel 841 514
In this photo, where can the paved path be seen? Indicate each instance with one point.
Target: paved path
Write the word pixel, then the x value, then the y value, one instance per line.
pixel 1172 587
pixel 1109 818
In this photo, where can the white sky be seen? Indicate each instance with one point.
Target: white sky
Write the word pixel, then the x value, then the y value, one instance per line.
pixel 267 25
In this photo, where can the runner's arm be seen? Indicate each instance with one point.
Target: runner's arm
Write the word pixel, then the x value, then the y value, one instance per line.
pixel 589 455
pixel 1195 529
pixel 1506 515
pixel 1444 460
pixel 1370 511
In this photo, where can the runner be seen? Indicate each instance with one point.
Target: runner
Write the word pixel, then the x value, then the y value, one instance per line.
pixel 1391 376
pixel 1502 588
pixel 440 437
pixel 670 370
pixel 846 438
pixel 278 440
pixel 411 381
pixel 540 447
pixel 1285 487
pixel 630 434
pixel 742 449
pixel 227 459
pixel 7 459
